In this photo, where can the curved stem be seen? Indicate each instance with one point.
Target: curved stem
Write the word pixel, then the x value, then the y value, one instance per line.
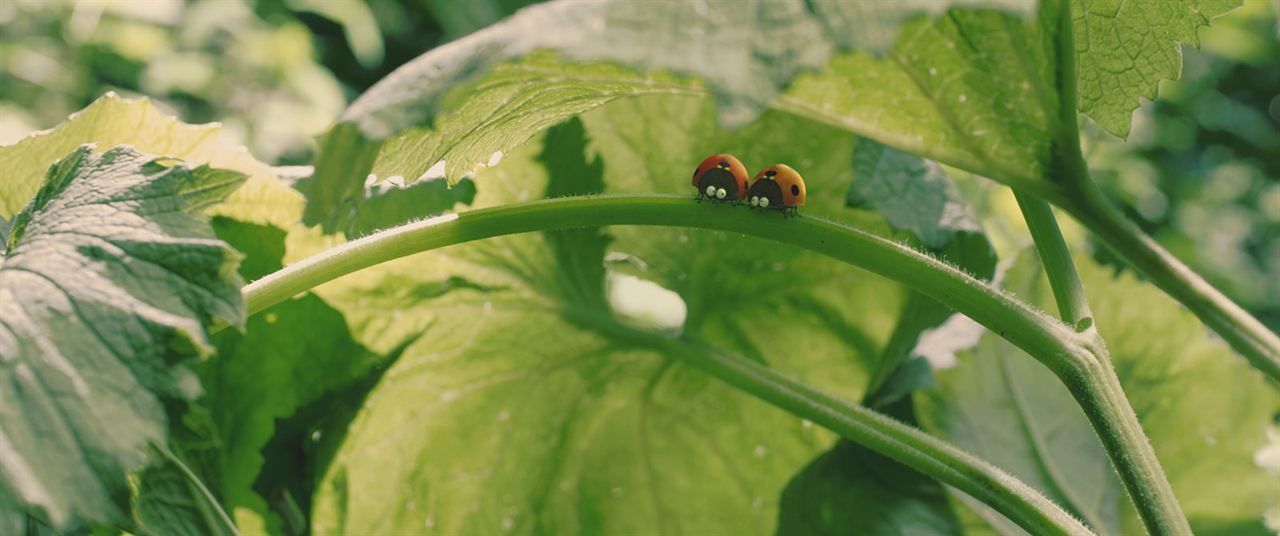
pixel 1052 342
pixel 195 482
pixel 931 456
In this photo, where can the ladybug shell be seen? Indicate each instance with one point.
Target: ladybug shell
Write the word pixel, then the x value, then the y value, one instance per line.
pixel 779 181
pixel 724 169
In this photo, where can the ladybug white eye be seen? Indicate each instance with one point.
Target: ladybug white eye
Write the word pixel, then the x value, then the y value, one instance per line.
pixel 711 191
pixel 764 202
pixel 721 193
pixel 755 200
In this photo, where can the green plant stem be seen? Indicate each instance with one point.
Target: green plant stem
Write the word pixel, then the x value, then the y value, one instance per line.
pixel 1068 292
pixel 1095 386
pixel 1051 341
pixel 194 482
pixel 1097 389
pixel 1241 330
pixel 931 456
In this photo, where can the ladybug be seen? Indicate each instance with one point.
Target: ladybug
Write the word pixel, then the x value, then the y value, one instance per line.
pixel 721 177
pixel 777 187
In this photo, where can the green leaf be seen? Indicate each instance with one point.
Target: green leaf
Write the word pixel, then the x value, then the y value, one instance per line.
pixel 1205 412
pixel 915 196
pixel 287 357
pixel 290 355
pixel 853 490
pixel 110 121
pixel 461 103
pixel 1125 48
pixel 579 253
pixel 111 275
pixel 518 409
pixel 502 111
pixel 849 489
pixel 912 193
pixel 389 204
pixel 943 94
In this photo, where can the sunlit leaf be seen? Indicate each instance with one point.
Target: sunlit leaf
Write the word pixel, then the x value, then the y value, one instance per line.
pixel 111 276
pixel 111 121
pixel 516 411
pixel 1125 48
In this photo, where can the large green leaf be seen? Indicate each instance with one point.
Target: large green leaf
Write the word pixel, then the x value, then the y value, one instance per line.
pixel 1205 412
pixel 516 412
pixel 1125 48
pixel 973 90
pixel 110 277
pixel 461 104
pixel 289 356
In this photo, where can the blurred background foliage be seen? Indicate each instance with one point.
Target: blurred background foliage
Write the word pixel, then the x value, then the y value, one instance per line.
pixel 1201 171
pixel 275 72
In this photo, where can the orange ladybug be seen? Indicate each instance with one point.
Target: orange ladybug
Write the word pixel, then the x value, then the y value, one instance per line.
pixel 721 177
pixel 777 187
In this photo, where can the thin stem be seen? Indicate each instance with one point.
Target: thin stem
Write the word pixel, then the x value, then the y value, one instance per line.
pixel 1068 292
pixel 1241 330
pixel 195 482
pixel 1014 499
pixel 1052 342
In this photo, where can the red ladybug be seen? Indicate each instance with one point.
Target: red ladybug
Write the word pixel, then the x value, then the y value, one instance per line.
pixel 777 187
pixel 721 177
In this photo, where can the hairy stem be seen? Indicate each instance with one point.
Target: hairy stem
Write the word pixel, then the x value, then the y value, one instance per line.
pixel 1241 330
pixel 1068 292
pixel 1097 388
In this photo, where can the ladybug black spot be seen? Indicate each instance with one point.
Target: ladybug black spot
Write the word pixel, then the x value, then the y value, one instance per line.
pixel 770 173
pixel 795 189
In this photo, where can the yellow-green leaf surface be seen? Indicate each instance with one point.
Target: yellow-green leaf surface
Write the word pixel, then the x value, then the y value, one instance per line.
pixel 111 121
pixel 461 103
pixel 1205 411
pixel 518 410
pixel 111 277
pixel 1124 48
pixel 974 90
